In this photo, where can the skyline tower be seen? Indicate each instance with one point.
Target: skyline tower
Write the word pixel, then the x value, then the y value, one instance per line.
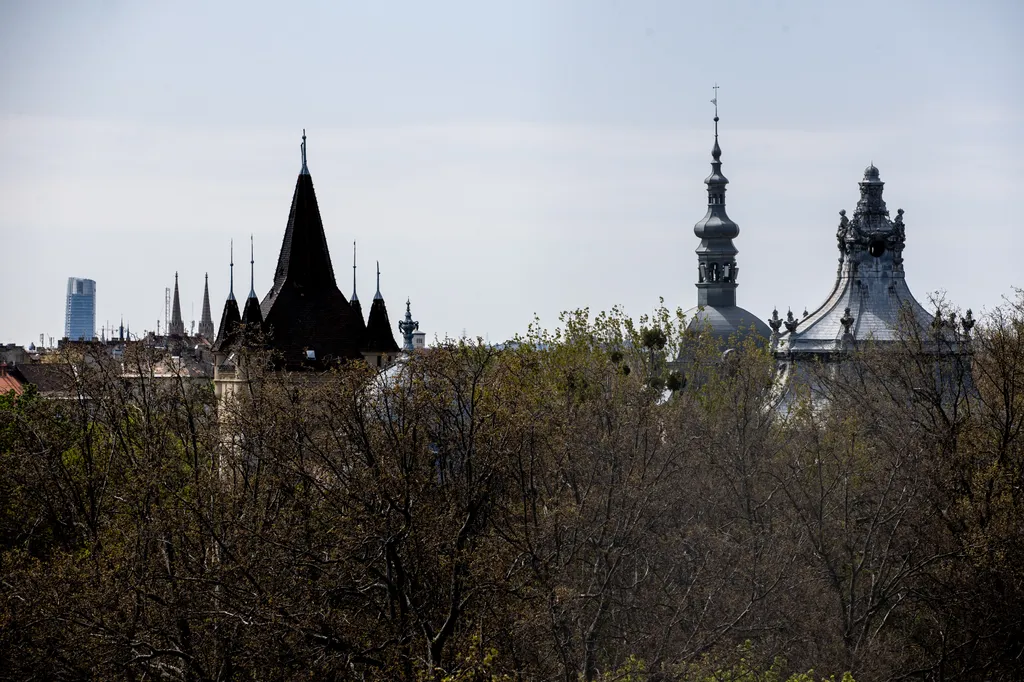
pixel 80 310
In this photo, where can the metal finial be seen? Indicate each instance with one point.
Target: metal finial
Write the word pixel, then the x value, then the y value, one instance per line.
pixel 231 285
pixel 377 295
pixel 715 102
pixel 354 297
pixel 252 268
pixel 305 170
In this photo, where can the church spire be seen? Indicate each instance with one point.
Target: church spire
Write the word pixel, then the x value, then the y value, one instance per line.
pixel 177 326
pixel 379 337
pixel 252 313
pixel 716 264
pixel 206 323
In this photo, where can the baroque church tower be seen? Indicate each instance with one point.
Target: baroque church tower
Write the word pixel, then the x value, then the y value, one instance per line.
pixel 717 269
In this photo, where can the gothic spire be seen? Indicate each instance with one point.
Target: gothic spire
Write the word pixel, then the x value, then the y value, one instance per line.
pixel 377 295
pixel 206 323
pixel 177 326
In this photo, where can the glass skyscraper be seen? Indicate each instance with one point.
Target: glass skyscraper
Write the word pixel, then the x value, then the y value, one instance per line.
pixel 80 314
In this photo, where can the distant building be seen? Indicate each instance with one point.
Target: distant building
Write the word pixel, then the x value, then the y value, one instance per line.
pixel 304 319
pixel 80 312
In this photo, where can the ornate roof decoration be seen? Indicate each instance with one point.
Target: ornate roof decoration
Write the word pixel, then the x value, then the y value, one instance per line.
pixel 870 296
pixel 407 327
pixel 357 308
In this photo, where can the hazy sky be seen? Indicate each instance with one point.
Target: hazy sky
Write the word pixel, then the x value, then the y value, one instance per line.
pixel 500 160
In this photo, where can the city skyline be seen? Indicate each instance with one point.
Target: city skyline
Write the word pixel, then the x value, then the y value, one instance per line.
pixel 501 164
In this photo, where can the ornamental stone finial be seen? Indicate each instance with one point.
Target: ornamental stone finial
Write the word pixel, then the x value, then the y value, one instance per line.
pixel 775 322
pixel 791 322
pixel 847 321
pixel 967 321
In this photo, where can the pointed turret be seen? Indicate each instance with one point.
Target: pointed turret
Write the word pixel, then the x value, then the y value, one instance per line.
pixel 252 317
pixel 177 326
pixel 206 323
pixel 357 308
pixel 304 313
pixel 379 337
pixel 717 270
pixel 229 319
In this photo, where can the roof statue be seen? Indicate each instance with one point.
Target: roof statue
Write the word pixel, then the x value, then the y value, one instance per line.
pixel 206 322
pixel 230 318
pixel 177 326
pixel 408 326
pixel 305 315
pixel 379 337
pixel 870 295
pixel 717 270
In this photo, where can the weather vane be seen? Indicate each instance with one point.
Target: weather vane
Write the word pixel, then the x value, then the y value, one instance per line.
pixel 715 99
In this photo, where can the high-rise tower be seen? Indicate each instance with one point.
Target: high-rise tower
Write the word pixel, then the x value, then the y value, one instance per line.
pixel 80 310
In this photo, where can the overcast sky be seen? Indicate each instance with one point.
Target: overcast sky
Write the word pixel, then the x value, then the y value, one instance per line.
pixel 500 160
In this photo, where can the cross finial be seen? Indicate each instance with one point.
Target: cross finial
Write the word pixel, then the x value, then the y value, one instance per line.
pixel 714 101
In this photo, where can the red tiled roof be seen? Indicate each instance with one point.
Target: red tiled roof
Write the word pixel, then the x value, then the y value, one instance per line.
pixel 9 383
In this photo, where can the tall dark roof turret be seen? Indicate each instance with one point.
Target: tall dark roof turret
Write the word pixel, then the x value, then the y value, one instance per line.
pixel 206 323
pixel 717 270
pixel 379 337
pixel 252 315
pixel 229 319
pixel 304 310
pixel 177 325
pixel 357 308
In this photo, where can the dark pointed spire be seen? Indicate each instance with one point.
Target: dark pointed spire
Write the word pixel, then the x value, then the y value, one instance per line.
pixel 206 323
pixel 177 325
pixel 379 337
pixel 357 307
pixel 229 318
pixel 304 309
pixel 252 315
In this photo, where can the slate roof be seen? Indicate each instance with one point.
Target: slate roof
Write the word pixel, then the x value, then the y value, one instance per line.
pixel 229 321
pixel 305 309
pixel 379 338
